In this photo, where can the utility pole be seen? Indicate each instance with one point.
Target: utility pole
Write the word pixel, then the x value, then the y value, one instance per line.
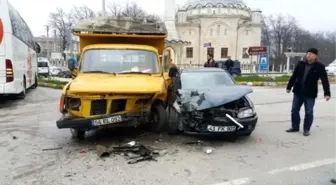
pixel 48 42
pixel 103 8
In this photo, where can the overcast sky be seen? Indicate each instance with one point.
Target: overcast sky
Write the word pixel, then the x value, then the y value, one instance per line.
pixel 313 15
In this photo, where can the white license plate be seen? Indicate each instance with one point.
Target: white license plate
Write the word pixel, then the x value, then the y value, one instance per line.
pixel 221 128
pixel 106 121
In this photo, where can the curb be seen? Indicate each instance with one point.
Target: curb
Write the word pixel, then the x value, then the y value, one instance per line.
pixel 262 83
pixel 50 85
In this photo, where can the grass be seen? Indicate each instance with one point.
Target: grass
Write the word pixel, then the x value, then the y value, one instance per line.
pixel 256 78
pixel 56 82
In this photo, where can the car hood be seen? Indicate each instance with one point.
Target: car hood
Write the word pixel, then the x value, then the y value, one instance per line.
pixel 205 98
pixel 105 83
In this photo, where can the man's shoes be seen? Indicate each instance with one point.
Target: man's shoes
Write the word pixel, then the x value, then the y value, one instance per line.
pixel 333 181
pixel 293 130
pixel 306 133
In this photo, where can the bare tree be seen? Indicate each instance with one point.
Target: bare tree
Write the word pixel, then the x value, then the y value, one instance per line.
pixel 134 11
pixel 114 9
pixel 153 18
pixel 62 23
pixel 82 12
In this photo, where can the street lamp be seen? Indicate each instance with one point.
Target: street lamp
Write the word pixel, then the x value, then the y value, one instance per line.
pixel 241 22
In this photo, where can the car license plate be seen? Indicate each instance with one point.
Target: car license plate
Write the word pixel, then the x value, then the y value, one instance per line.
pixel 221 128
pixel 106 121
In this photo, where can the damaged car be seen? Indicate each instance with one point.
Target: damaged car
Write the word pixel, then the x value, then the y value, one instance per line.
pixel 207 100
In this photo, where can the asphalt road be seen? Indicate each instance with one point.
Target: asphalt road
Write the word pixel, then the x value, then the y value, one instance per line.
pixel 269 156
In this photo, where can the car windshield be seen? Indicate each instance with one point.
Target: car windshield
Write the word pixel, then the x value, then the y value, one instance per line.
pixel 119 61
pixel 192 80
pixel 42 64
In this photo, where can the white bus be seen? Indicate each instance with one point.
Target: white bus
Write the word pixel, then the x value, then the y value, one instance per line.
pixel 18 59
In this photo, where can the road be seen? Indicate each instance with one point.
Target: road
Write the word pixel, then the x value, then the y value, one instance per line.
pixel 269 156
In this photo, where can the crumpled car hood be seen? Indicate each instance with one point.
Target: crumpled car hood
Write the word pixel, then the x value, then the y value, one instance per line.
pixel 204 98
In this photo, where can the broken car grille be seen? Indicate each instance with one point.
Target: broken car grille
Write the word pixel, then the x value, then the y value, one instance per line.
pixel 98 107
pixel 118 105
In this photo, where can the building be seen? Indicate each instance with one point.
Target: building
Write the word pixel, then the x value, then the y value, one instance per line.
pixel 220 27
pixel 51 46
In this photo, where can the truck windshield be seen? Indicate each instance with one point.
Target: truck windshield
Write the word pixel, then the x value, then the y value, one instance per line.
pixel 119 61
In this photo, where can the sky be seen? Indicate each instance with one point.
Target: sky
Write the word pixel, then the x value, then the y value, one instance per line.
pixel 313 15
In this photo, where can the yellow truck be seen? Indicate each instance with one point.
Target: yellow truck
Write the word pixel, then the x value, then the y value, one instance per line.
pixel 119 80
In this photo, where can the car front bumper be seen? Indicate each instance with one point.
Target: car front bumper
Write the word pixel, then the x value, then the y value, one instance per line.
pixel 128 119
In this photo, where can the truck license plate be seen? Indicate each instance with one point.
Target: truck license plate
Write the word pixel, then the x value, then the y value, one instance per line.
pixel 221 128
pixel 106 121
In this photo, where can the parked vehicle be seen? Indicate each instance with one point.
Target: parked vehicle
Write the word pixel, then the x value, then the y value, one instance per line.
pixel 235 71
pixel 43 68
pixel 119 80
pixel 18 61
pixel 65 74
pixel 54 71
pixel 331 68
pixel 211 104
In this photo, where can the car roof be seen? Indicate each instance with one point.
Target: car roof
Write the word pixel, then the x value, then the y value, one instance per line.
pixel 200 70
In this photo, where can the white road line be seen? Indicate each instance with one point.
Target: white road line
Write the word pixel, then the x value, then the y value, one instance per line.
pixel 304 166
pixel 240 181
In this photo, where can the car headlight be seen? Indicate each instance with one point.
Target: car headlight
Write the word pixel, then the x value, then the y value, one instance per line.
pixel 74 104
pixel 246 113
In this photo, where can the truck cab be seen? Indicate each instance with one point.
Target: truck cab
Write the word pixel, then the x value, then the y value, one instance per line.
pixel 119 79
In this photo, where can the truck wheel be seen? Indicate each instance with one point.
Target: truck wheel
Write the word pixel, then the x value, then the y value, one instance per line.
pixel 173 121
pixel 77 134
pixel 157 118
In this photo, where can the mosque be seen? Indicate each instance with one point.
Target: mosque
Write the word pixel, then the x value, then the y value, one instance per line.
pixel 221 27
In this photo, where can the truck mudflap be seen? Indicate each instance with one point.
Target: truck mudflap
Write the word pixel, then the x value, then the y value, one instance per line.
pixel 113 120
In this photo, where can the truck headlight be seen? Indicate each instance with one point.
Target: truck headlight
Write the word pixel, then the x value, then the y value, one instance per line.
pixel 246 113
pixel 74 104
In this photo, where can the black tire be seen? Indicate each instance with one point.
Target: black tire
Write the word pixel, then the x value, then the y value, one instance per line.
pixel 36 83
pixel 22 95
pixel 77 134
pixel 173 121
pixel 158 118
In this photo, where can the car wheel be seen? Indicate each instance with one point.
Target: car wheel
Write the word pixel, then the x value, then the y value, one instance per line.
pixel 36 83
pixel 157 118
pixel 173 121
pixel 22 95
pixel 77 134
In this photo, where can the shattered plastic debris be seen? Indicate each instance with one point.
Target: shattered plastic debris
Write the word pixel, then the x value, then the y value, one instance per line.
pixel 194 142
pixel 56 148
pixel 132 151
pixel 208 150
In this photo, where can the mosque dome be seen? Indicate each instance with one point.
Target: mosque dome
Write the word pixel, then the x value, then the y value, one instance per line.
pixel 214 3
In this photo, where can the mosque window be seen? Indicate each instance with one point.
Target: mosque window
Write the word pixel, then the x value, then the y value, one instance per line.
pixel 218 29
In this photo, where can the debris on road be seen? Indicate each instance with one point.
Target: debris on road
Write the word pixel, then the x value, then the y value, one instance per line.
pixel 199 142
pixel 14 137
pixel 208 150
pixel 102 151
pixel 56 148
pixel 132 151
pixel 83 151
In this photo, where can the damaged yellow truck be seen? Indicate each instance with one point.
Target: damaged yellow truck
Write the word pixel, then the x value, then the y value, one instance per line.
pixel 119 79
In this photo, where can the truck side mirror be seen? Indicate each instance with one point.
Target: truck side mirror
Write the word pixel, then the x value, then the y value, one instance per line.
pixel 172 71
pixel 71 65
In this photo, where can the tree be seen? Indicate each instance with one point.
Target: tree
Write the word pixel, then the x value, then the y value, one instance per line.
pixel 62 23
pixel 81 12
pixel 114 9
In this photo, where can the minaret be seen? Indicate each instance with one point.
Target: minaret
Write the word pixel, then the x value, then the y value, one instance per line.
pixel 169 19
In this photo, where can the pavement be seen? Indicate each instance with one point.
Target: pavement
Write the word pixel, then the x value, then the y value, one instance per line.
pixel 268 156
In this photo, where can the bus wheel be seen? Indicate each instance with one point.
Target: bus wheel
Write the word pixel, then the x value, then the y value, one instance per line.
pixel 22 95
pixel 36 83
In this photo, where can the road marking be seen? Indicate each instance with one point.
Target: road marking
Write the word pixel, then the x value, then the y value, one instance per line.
pixel 240 181
pixel 304 166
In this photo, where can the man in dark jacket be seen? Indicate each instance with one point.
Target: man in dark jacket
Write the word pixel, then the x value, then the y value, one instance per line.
pixel 211 62
pixel 229 64
pixel 305 82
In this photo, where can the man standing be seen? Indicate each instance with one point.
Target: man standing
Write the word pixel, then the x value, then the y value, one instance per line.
pixel 229 64
pixel 211 62
pixel 305 81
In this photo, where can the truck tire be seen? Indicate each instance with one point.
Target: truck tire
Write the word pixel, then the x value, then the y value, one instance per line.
pixel 173 121
pixel 158 117
pixel 77 134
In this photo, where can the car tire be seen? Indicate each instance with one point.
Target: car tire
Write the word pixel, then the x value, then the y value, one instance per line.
pixel 158 117
pixel 77 134
pixel 173 121
pixel 22 95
